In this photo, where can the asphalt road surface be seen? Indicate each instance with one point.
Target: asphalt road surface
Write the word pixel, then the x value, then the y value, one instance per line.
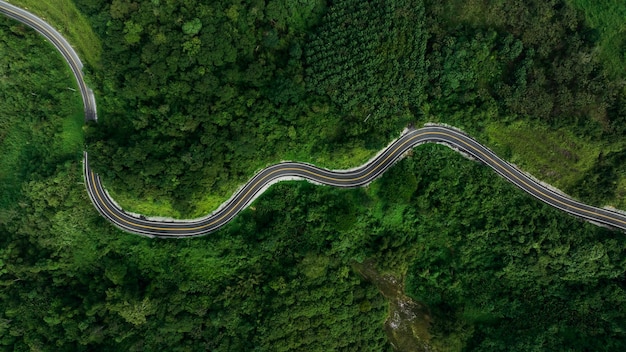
pixel 293 170
pixel 69 54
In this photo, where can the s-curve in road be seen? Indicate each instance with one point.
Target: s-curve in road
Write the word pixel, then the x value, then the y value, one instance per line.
pixel 353 178
pixel 293 170
pixel 69 54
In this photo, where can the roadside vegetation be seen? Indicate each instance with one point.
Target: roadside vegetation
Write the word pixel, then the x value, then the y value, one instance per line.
pixel 41 116
pixel 512 73
pixel 244 85
pixel 65 17
pixel 484 257
pixel 607 18
pixel 194 103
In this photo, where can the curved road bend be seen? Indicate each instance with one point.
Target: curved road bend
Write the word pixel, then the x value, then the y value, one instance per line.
pixel 354 178
pixel 27 18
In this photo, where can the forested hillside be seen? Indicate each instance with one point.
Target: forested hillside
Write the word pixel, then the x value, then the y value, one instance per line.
pixel 510 70
pixel 198 96
pixel 367 57
pixel 195 96
pixel 40 111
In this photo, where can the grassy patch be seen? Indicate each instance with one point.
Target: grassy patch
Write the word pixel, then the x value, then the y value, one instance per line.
pixel 207 203
pixel 150 207
pixel 609 18
pixel 19 146
pixel 70 138
pixel 557 157
pixel 620 193
pixel 471 11
pixel 342 159
pixel 65 17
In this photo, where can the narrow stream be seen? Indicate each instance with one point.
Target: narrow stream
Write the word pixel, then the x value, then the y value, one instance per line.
pixel 407 321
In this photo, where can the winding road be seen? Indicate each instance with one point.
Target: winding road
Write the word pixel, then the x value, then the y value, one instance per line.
pixel 69 54
pixel 294 170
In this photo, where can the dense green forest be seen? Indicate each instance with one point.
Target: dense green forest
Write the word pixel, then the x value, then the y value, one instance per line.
pixel 534 64
pixel 195 97
pixel 199 96
pixel 41 112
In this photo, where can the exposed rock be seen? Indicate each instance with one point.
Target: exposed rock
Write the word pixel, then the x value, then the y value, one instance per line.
pixel 407 320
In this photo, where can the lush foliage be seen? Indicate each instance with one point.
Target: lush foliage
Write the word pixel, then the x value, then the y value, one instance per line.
pixel 39 105
pixel 65 17
pixel 485 257
pixel 607 17
pixel 368 57
pixel 529 63
pixel 71 282
pixel 538 66
pixel 492 261
pixel 192 93
pixel 196 97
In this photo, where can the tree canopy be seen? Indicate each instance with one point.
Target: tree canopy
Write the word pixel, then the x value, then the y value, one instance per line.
pixel 195 96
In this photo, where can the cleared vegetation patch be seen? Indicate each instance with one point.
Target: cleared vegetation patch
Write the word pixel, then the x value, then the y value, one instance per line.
pixel 64 17
pixel 609 18
pixel 557 157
